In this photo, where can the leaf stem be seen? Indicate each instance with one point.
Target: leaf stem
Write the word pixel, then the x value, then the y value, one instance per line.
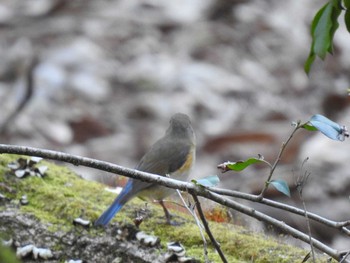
pixel 278 159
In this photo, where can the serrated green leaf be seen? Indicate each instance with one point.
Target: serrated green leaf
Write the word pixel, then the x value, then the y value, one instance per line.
pixel 241 165
pixel 208 181
pixel 281 186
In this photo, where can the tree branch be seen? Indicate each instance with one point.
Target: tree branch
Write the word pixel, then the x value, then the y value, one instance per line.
pixel 277 223
pixel 171 183
pixel 341 225
pixel 207 229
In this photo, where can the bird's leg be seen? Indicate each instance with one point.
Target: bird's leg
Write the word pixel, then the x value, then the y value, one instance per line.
pixel 166 212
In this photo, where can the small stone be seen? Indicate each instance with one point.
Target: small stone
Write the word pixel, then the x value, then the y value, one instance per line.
pixel 36 159
pixel 22 252
pixel 82 222
pixel 24 200
pixel 20 173
pixel 146 239
pixel 42 253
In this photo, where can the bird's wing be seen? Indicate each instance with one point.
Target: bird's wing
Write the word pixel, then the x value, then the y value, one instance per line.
pixel 162 161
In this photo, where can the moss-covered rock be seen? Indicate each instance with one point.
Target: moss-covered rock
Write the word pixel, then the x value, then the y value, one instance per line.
pixel 61 196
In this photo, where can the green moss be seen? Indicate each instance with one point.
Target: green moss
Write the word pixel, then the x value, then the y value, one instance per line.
pixel 61 196
pixel 237 243
pixel 6 255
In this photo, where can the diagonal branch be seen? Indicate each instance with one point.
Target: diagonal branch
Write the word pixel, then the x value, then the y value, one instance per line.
pixel 207 229
pixel 341 225
pixel 270 220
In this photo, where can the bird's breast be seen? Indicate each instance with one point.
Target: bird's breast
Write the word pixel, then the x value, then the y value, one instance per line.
pixel 184 171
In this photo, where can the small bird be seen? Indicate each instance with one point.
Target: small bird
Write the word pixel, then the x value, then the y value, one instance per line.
pixel 173 155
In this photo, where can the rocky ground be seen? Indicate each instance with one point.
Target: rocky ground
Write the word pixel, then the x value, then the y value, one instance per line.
pixel 107 75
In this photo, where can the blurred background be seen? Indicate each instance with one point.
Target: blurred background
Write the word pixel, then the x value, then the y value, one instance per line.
pixel 102 78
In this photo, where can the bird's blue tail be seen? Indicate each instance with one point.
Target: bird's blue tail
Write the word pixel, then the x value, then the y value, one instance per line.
pixel 118 203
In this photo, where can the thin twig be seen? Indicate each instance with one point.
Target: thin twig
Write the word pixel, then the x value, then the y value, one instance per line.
pixel 308 229
pixel 190 210
pixel 278 159
pixel 300 191
pixel 207 229
pixel 344 257
pixel 174 203
pixel 200 226
pixel 300 183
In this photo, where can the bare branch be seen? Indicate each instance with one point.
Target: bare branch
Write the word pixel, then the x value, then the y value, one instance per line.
pixel 270 220
pixel 301 183
pixel 256 198
pixel 200 226
pixel 207 229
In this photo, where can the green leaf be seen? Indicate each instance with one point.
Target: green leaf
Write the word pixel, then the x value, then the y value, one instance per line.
pixel 346 3
pixel 208 181
pixel 281 186
pixel 334 17
pixel 309 127
pixel 308 62
pixel 323 27
pixel 241 165
pixel 347 19
pixel 312 55
pixel 321 31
